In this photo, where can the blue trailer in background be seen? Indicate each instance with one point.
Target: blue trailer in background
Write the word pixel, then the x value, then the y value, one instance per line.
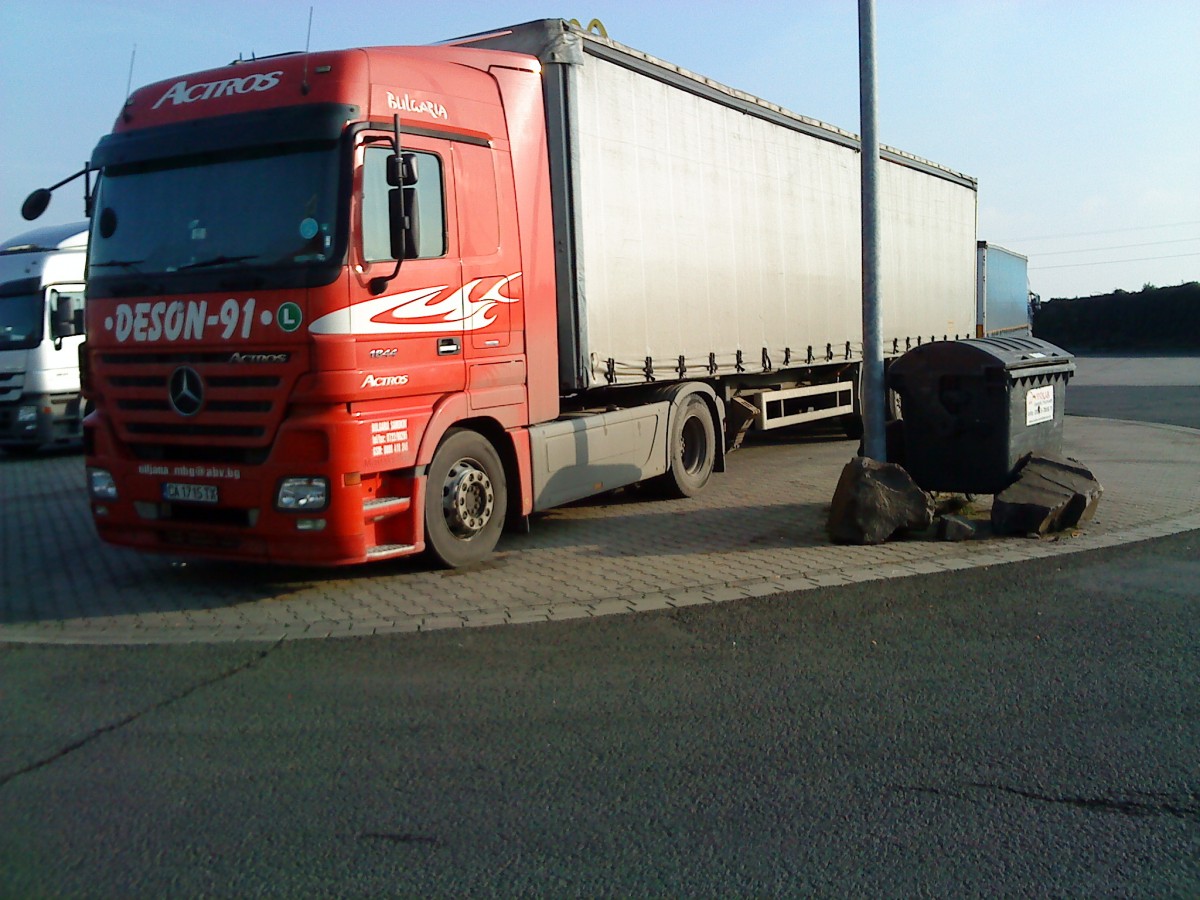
pixel 1002 298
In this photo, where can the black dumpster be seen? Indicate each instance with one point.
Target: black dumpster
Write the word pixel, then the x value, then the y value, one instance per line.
pixel 972 409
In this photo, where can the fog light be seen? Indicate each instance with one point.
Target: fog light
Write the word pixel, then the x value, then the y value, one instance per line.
pixel 310 524
pixel 101 484
pixel 302 494
pixel 27 413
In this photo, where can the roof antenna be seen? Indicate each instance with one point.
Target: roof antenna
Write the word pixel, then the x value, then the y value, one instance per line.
pixel 129 85
pixel 129 80
pixel 304 88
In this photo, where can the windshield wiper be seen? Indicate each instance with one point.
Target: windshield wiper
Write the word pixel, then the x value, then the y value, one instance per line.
pixel 24 248
pixel 216 261
pixel 123 263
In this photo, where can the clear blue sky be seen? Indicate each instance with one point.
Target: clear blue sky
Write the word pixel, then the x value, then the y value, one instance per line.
pixel 1079 118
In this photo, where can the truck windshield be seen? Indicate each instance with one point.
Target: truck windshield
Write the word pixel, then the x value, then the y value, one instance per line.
pixel 21 314
pixel 260 217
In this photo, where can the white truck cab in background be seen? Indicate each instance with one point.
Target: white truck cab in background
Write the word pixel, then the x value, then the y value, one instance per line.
pixel 41 328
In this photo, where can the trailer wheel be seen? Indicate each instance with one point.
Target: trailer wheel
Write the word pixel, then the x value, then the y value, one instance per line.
pixel 852 426
pixel 693 447
pixel 466 498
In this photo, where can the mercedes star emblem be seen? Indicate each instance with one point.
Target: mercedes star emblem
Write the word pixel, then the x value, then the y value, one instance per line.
pixel 185 391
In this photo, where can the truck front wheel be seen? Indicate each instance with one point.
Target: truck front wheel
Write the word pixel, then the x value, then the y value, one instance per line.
pixel 692 447
pixel 466 499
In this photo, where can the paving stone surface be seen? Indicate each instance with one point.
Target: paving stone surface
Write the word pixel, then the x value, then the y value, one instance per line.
pixel 758 529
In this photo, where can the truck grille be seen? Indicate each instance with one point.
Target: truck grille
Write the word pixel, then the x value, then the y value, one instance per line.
pixel 239 412
pixel 11 385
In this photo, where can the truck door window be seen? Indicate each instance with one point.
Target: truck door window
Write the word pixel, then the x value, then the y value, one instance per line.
pixel 66 313
pixel 430 204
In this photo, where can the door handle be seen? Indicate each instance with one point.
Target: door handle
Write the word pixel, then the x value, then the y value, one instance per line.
pixel 449 346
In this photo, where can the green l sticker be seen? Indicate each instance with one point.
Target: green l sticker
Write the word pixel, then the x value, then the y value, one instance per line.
pixel 289 316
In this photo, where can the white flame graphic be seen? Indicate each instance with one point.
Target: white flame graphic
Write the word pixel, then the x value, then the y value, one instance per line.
pixel 420 311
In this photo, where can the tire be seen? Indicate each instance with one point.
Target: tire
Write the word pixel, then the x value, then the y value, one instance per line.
pixel 692 446
pixel 466 499
pixel 23 450
pixel 895 406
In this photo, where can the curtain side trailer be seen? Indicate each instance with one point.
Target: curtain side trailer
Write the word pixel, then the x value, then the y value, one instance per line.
pixel 704 235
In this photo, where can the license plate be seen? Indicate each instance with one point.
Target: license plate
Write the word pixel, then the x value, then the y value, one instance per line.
pixel 190 493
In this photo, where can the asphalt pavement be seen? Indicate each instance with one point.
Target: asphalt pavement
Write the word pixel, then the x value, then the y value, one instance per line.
pixel 1005 717
pixel 1132 388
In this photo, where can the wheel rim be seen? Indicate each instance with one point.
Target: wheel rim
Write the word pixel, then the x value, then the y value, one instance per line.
pixel 468 499
pixel 693 445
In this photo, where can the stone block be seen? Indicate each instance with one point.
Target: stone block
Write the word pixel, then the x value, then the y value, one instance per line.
pixel 1051 493
pixel 955 528
pixel 875 500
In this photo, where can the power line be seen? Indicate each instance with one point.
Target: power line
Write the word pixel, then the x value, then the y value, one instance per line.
pixel 1110 262
pixel 1117 247
pixel 1051 237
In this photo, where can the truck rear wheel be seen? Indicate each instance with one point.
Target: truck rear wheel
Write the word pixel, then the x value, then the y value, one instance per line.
pixel 692 446
pixel 466 498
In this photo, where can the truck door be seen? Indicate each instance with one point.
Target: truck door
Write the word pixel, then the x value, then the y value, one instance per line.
pixel 414 329
pixel 484 264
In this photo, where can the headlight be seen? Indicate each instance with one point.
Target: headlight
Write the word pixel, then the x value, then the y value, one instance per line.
pixel 302 494
pixel 27 413
pixel 101 485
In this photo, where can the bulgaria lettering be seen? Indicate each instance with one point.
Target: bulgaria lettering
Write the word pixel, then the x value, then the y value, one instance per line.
pixel 423 107
pixel 181 92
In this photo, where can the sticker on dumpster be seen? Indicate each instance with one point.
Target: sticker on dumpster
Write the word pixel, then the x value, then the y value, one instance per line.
pixel 1039 405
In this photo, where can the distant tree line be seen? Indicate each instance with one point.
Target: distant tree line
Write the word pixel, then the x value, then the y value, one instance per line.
pixel 1153 318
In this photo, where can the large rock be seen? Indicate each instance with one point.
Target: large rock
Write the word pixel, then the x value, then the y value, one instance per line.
pixel 1051 493
pixel 874 500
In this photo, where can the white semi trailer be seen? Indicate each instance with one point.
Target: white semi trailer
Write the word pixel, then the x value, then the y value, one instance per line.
pixel 41 327
pixel 1003 301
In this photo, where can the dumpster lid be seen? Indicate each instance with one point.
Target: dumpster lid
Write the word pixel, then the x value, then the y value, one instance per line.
pixel 986 354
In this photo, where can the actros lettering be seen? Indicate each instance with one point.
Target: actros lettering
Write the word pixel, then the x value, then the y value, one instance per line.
pixel 384 381
pixel 259 358
pixel 182 92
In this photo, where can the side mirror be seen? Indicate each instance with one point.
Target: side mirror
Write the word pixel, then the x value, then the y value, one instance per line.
pixel 66 316
pixel 35 204
pixel 403 213
pixel 402 170
pixel 405 222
